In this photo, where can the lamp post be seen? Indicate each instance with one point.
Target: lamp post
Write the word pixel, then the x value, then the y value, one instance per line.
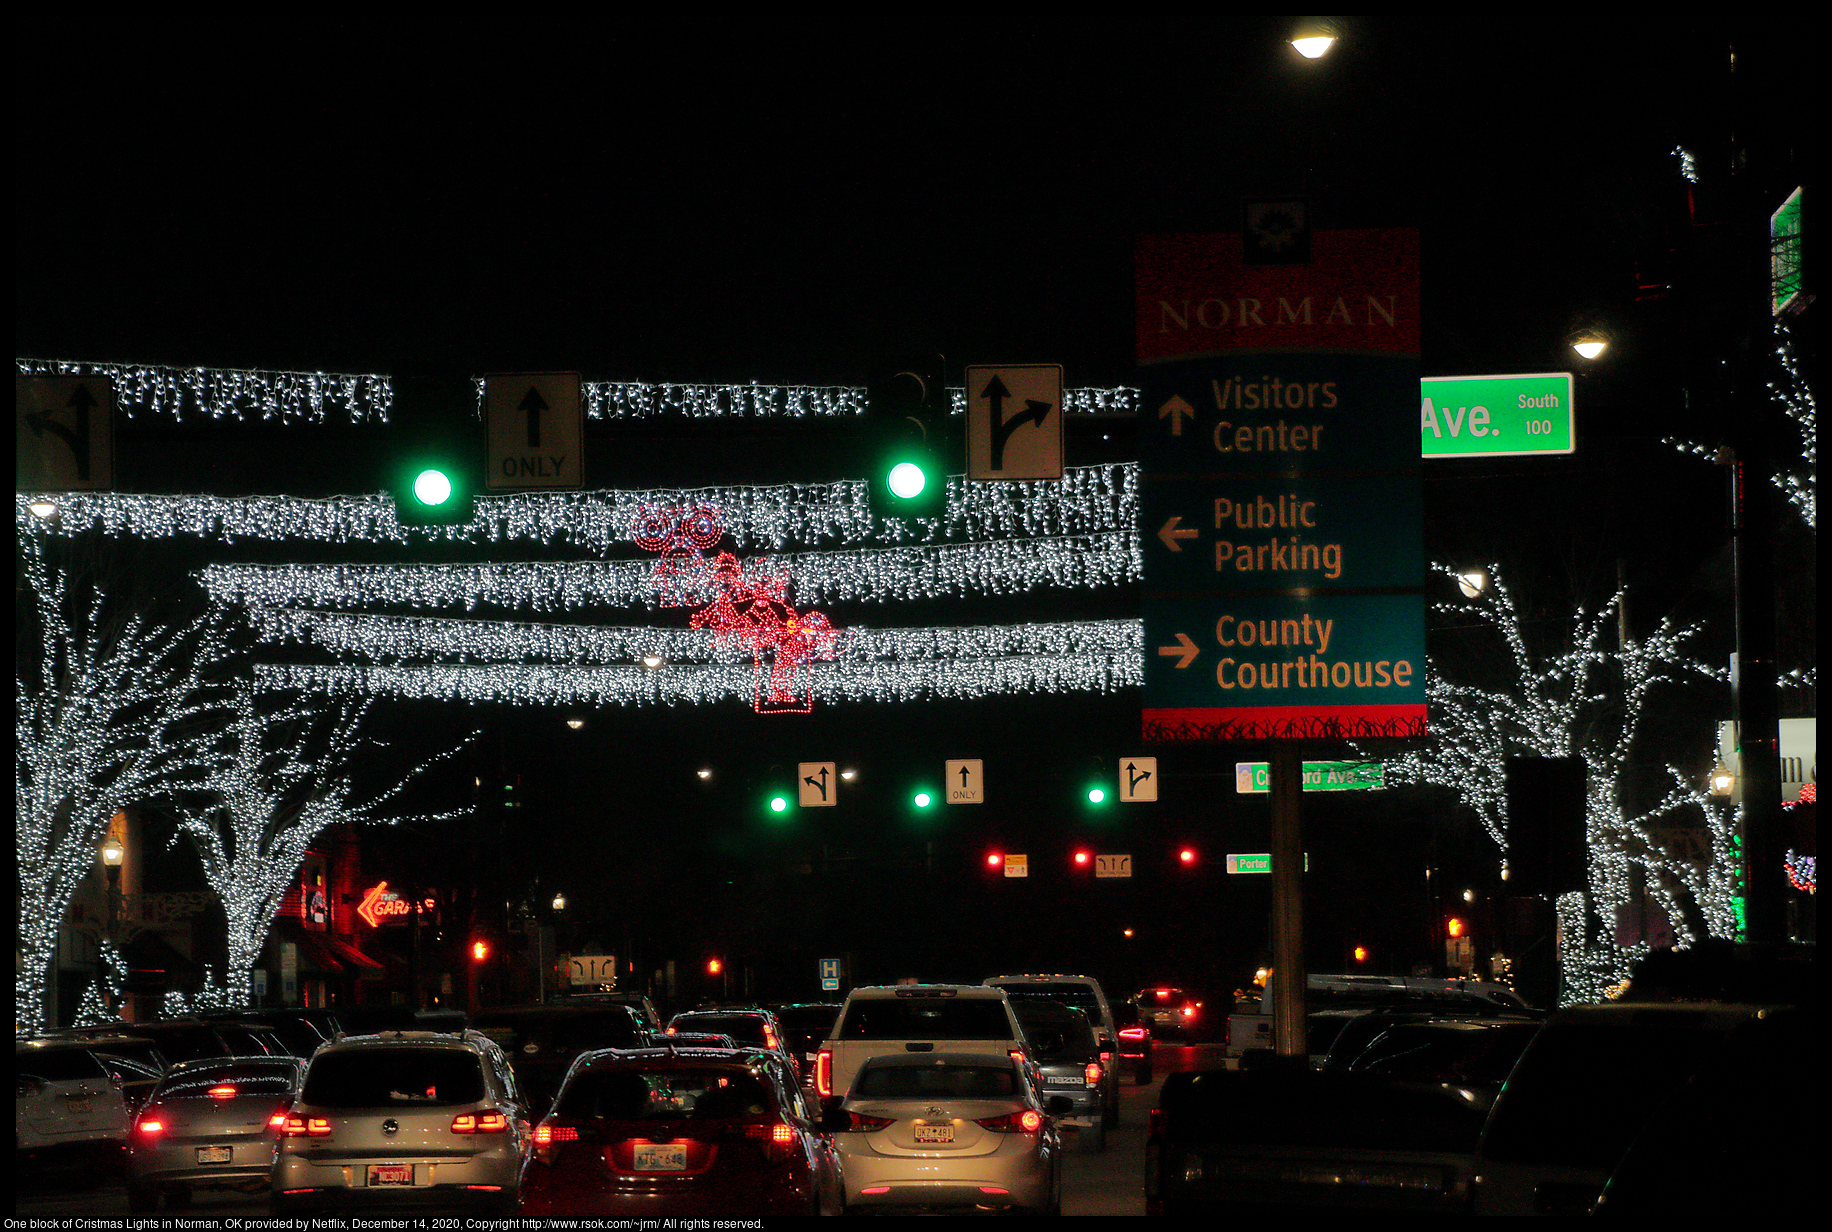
pixel 113 854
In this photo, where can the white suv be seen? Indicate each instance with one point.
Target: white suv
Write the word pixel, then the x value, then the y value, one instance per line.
pixel 915 1018
pixel 404 1118
pixel 67 1099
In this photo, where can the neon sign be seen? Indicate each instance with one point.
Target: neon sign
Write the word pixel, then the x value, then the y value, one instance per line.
pixel 381 905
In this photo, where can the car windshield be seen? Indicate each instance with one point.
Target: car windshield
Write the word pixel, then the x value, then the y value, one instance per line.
pixel 926 1018
pixel 394 1078
pixel 932 1081
pixel 226 1081
pixel 674 1094
pixel 745 1028
pixel 59 1064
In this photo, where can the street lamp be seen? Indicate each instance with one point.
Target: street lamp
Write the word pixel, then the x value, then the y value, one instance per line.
pixel 559 902
pixel 1723 782
pixel 1590 343
pixel 1472 582
pixel 1313 37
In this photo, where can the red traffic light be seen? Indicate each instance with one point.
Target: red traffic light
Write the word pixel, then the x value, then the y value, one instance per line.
pixel 1083 857
pixel 1186 856
pixel 995 859
pixel 479 951
pixel 1454 927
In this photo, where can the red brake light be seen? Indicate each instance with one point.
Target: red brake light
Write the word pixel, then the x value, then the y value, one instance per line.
pixel 278 1119
pixel 1189 1011
pixel 225 1091
pixel 150 1128
pixel 301 1127
pixel 480 1123
pixel 548 1136
pixel 860 1121
pixel 1027 1122
pixel 1132 1033
pixel 823 1073
pixel 1093 1073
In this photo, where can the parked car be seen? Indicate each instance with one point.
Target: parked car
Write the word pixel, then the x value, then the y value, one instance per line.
pixel 751 1026
pixel 914 1018
pixel 209 1125
pixel 541 1041
pixel 195 1039
pixel 300 1033
pixel 66 1103
pixel 681 1132
pixel 409 1117
pixel 1285 1137
pixel 1062 1043
pixel 1589 1086
pixel 134 1064
pixel 1084 993
pixel 1133 1041
pixel 949 1130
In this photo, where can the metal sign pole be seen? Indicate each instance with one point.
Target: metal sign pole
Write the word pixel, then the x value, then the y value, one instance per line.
pixel 1290 980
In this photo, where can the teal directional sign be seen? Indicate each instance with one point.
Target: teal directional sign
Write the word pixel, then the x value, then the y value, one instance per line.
pixel 1496 416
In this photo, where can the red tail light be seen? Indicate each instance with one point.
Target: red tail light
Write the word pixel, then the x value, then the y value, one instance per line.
pixel 1132 1033
pixel 480 1123
pixel 150 1127
pixel 305 1127
pixel 823 1073
pixel 770 1133
pixel 1093 1073
pixel 1027 1122
pixel 547 1138
pixel 1189 1011
pixel 225 1091
pixel 278 1119
pixel 866 1124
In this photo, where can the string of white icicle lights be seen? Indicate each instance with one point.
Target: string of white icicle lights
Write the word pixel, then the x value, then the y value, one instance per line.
pixel 254 395
pixel 1086 500
pixel 702 685
pixel 393 638
pixel 882 575
pixel 157 391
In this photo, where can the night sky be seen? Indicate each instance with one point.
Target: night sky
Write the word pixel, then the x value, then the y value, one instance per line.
pixel 781 202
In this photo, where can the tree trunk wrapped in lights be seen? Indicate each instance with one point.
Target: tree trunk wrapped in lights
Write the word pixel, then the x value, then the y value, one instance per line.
pixel 108 717
pixel 1585 698
pixel 277 780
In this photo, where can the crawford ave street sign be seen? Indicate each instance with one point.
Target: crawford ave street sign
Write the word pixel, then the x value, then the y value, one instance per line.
pixel 1495 416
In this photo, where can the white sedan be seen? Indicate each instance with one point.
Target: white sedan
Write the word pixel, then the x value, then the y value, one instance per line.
pixel 960 1130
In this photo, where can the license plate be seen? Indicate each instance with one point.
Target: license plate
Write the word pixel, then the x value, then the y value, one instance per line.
pixel 391 1174
pixel 934 1135
pixel 214 1154
pixel 660 1157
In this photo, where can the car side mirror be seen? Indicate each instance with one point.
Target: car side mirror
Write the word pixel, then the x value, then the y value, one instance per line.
pixel 1059 1105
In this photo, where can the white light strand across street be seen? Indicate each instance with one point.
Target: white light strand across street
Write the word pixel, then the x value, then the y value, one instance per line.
pixel 1087 500
pixel 155 391
pixel 943 571
pixel 158 391
pixel 396 638
pixel 691 685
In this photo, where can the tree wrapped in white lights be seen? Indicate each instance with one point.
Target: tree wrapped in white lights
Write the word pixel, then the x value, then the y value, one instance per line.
pixel 1584 697
pixel 277 780
pixel 108 716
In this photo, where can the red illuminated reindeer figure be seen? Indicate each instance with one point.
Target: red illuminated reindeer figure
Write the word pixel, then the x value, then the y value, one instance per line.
pixel 747 612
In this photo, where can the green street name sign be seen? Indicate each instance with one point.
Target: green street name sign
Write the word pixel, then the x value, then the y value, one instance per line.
pixel 1252 776
pixel 1495 416
pixel 1258 862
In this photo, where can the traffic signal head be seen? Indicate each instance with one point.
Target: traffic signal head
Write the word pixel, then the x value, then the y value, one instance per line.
pixel 479 951
pixel 907 413
pixel 438 450
pixel 1454 927
pixel 1186 856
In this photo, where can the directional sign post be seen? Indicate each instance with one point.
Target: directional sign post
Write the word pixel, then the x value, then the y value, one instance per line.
pixel 1138 780
pixel 966 781
pixel 536 430
pixel 1014 421
pixel 64 438
pixel 1496 416
pixel 818 783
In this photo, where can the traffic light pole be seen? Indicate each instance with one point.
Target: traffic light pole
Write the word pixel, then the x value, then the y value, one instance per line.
pixel 1290 980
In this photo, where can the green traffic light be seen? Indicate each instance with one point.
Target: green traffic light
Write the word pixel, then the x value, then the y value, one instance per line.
pixel 1097 795
pixel 922 799
pixel 432 487
pixel 779 804
pixel 907 480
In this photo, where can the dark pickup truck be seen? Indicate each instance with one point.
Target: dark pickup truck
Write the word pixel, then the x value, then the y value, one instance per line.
pixel 1276 1138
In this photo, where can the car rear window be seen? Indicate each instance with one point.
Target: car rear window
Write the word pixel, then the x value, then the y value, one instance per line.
pixel 673 1094
pixel 926 1018
pixel 745 1028
pixel 931 1081
pixel 1054 1034
pixel 394 1078
pixel 563 1031
pixel 60 1065
pixel 1079 995
pixel 201 1083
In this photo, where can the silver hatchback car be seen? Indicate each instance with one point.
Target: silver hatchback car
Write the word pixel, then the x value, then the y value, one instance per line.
pixel 404 1118
pixel 209 1125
